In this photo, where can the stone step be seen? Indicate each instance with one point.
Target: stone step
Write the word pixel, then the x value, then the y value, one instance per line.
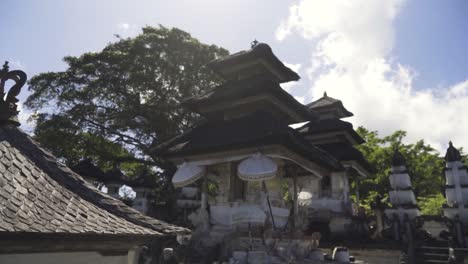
pixel 440 250
pixel 432 256
pixel 431 261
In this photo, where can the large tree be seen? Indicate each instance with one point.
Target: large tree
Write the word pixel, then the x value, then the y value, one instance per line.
pixel 117 104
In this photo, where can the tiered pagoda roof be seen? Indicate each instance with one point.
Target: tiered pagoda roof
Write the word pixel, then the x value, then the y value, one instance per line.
pixel 335 136
pixel 236 98
pixel 249 111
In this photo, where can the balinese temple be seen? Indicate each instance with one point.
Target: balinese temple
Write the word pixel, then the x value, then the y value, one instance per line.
pixel 403 202
pixel 329 199
pixel 247 162
pixel 456 193
pixel 50 214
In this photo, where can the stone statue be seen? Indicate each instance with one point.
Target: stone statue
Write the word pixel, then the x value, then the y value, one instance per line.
pixel 8 107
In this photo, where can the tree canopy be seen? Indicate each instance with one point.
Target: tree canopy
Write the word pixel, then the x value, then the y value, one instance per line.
pixel 117 104
pixel 425 166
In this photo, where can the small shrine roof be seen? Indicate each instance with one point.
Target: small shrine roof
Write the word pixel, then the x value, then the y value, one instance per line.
pixel 330 125
pixel 145 180
pixel 86 168
pixel 329 104
pixel 115 176
pixel 259 60
pixel 255 130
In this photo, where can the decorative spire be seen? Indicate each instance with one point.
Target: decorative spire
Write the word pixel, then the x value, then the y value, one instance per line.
pixel 398 159
pixel 325 94
pixel 8 107
pixel 452 153
pixel 253 43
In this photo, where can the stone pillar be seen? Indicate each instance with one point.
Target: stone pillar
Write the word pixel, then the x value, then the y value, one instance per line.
pixel 401 194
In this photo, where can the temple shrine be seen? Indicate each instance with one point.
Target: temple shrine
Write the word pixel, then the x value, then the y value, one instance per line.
pixel 247 177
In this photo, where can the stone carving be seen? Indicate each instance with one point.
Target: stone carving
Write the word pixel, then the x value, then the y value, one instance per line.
pixel 8 107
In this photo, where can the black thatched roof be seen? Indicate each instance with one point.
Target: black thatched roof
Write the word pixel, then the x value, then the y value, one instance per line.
pixel 346 152
pixel 255 130
pixel 258 61
pixel 225 94
pixel 330 125
pixel 38 195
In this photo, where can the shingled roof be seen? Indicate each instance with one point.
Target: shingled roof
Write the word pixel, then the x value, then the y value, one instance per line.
pixel 39 195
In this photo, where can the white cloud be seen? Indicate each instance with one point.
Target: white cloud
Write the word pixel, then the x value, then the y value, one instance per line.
pixel 300 99
pixel 351 47
pixel 24 115
pixel 128 30
pixel 123 26
pixel 288 87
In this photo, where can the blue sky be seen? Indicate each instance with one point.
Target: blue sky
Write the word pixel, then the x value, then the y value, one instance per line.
pixel 397 64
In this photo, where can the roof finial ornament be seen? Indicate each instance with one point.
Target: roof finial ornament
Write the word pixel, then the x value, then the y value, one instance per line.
pixel 253 43
pixel 5 68
pixel 452 153
pixel 325 94
pixel 8 107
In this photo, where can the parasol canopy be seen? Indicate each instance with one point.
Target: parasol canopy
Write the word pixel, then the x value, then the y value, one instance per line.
pixel 257 168
pixel 186 174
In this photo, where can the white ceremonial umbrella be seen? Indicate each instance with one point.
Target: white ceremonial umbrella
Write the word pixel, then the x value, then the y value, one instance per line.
pixel 257 168
pixel 187 173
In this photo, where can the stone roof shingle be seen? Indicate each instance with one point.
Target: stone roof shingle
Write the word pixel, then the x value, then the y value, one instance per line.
pixel 40 195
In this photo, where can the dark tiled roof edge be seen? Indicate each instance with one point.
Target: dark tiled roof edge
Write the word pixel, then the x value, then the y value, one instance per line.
pixel 76 184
